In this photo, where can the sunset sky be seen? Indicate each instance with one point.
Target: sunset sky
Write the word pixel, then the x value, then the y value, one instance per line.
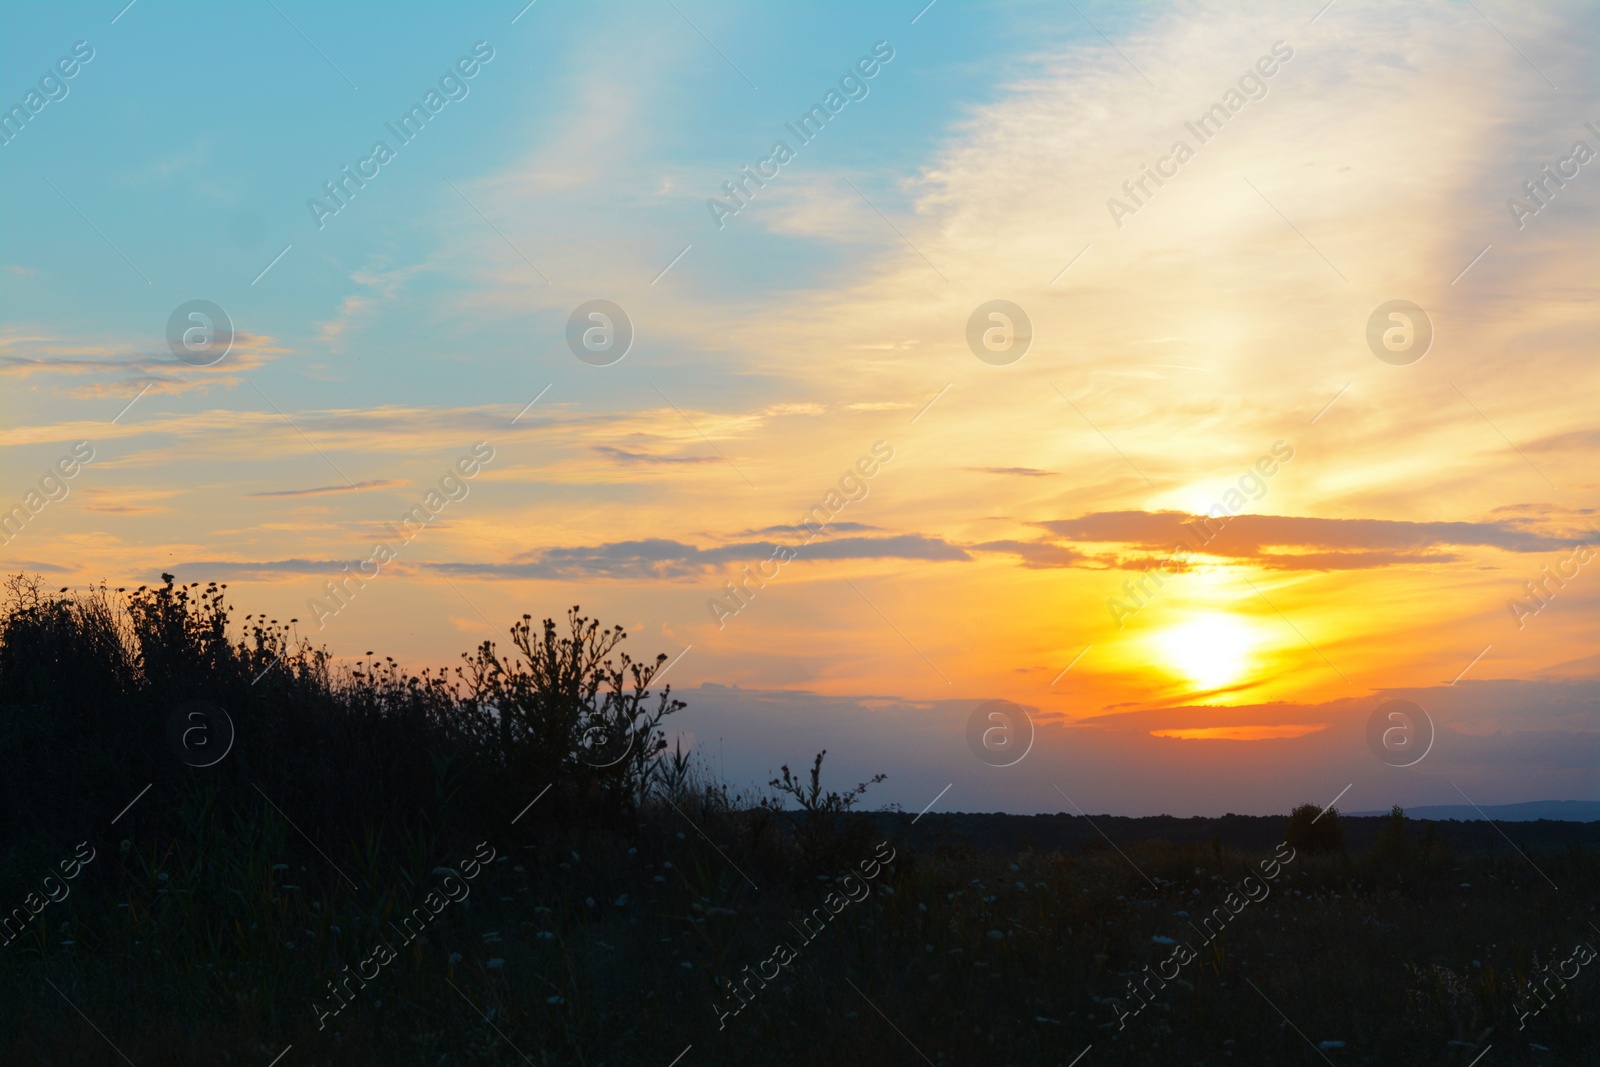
pixel 1199 345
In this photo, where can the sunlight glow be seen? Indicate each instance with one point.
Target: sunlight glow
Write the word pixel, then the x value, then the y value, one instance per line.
pixel 1211 650
pixel 1242 733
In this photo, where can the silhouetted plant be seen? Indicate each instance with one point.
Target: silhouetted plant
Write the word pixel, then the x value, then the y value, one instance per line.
pixel 821 832
pixel 572 709
pixel 1313 830
pixel 1394 847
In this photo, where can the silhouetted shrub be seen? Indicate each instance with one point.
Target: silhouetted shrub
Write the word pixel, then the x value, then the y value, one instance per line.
pixel 90 682
pixel 1313 830
pixel 572 709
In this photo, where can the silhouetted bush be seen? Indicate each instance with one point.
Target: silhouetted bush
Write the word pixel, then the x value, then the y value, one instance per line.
pixel 89 684
pixel 572 710
pixel 1313 830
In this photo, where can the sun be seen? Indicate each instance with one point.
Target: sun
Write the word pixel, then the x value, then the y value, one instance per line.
pixel 1211 650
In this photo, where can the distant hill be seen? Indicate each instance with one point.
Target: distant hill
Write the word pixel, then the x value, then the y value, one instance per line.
pixel 1560 810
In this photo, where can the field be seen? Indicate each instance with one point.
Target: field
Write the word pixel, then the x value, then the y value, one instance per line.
pixel 504 866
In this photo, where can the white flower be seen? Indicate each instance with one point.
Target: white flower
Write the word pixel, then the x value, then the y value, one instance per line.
pixel 455 958
pixel 495 963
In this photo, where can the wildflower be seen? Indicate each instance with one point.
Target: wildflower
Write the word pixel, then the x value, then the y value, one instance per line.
pixel 495 964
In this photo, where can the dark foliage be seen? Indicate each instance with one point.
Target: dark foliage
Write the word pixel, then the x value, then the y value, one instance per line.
pixel 1315 831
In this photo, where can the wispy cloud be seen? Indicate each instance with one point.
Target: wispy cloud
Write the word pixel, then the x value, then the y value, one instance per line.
pixel 324 490
pixel 623 456
pixel 1021 472
pixel 115 369
pixel 662 558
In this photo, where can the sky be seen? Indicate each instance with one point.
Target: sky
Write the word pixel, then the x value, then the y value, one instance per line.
pixel 1194 381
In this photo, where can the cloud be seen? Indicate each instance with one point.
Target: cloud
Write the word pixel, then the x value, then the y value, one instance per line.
pixel 632 458
pixel 23 566
pixel 120 372
pixel 664 559
pixel 213 569
pixel 1331 544
pixel 382 287
pixel 1507 740
pixel 1248 534
pixel 791 531
pixel 323 490
pixel 1039 553
pixel 1023 472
